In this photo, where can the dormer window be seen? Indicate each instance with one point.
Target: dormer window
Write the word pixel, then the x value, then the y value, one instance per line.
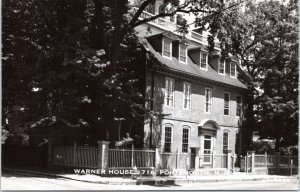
pixel 182 53
pixel 167 48
pixel 222 67
pixel 233 68
pixel 203 60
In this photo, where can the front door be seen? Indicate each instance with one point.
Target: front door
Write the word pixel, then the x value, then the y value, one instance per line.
pixel 207 149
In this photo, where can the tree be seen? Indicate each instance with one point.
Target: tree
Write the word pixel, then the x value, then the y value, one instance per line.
pixel 76 64
pixel 264 36
pixel 279 100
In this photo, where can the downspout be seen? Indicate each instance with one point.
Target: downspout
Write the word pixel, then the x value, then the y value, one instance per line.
pixel 151 102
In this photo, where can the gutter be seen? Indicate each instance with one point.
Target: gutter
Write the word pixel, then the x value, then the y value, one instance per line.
pixel 209 81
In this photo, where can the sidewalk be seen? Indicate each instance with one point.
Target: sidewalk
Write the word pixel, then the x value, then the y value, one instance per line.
pixel 157 180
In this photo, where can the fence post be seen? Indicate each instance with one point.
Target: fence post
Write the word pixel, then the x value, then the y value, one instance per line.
pixel 177 158
pixel 197 160
pixel 51 154
pixel 212 159
pixel 102 161
pixel 233 162
pixel 291 165
pixel 132 155
pixel 246 163
pixel 266 159
pixel 277 156
pixel 251 161
pixel 74 154
pixel 157 159
pixel 228 160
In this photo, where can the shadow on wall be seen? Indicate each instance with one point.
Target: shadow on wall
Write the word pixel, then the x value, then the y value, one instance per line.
pixel 155 117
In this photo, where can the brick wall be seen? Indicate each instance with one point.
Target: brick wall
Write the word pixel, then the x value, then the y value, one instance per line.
pixel 179 118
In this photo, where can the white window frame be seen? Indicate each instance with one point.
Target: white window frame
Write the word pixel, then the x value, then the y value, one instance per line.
pixel 190 96
pixel 185 47
pixel 226 131
pixel 206 65
pixel 171 143
pixel 228 104
pixel 238 105
pixel 166 92
pixel 235 65
pixel 188 143
pixel 163 48
pixel 224 67
pixel 210 109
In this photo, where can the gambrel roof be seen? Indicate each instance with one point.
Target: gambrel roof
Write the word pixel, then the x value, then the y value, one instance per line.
pixel 191 68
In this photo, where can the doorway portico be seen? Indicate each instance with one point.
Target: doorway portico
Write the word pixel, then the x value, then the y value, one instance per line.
pixel 207 130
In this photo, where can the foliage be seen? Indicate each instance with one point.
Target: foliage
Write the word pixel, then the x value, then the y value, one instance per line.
pixel 264 35
pixel 54 72
pixel 291 150
pixel 262 146
pixel 76 64
pixel 4 135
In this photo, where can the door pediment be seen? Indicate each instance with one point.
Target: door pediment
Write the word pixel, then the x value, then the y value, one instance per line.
pixel 208 124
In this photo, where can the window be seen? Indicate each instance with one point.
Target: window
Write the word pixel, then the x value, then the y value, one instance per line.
pixel 233 68
pixel 222 67
pixel 182 53
pixel 238 105
pixel 226 103
pixel 207 149
pixel 167 47
pixel 187 96
pixel 208 100
pixel 185 140
pixel 225 140
pixel 168 139
pixel 150 8
pixel 172 19
pixel 169 92
pixel 162 8
pixel 203 61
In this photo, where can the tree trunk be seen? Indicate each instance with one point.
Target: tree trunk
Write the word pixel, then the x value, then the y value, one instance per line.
pixel 277 143
pixel 98 32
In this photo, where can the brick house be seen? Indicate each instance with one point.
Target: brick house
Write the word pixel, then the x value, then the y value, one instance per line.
pixel 198 97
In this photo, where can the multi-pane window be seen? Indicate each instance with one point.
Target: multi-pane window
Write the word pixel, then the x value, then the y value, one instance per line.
pixel 169 92
pixel 167 46
pixel 185 140
pixel 203 61
pixel 222 67
pixel 225 140
pixel 233 68
pixel 187 96
pixel 208 100
pixel 168 139
pixel 207 148
pixel 238 105
pixel 226 103
pixel 182 53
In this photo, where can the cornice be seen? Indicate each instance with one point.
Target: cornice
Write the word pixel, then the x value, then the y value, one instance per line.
pixel 192 77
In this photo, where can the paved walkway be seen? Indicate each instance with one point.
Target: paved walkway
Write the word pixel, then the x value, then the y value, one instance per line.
pixel 158 180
